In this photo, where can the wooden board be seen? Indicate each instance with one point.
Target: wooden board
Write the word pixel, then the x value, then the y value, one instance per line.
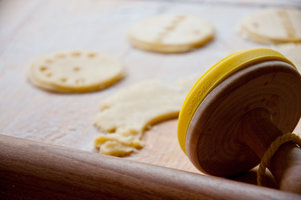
pixel 33 28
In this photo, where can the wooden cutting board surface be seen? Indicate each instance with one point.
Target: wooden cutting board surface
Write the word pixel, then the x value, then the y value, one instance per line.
pixel 33 28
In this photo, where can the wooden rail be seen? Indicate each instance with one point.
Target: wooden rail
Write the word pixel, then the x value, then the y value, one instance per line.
pixel 32 170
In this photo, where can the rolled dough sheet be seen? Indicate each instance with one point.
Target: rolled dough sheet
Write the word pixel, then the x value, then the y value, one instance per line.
pixel 170 33
pixel 75 71
pixel 273 26
pixel 125 115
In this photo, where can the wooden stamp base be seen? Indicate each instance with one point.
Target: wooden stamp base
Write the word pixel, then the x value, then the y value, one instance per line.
pixel 215 143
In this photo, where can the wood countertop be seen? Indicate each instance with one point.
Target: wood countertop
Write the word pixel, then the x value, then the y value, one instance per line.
pixel 29 29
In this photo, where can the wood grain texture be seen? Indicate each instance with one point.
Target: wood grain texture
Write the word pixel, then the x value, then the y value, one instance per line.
pixel 66 173
pixel 239 119
pixel 213 141
pixel 33 28
pixel 286 162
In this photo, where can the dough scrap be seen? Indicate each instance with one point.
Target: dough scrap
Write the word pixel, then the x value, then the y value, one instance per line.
pixel 292 52
pixel 273 26
pixel 75 71
pixel 125 115
pixel 170 33
pixel 186 83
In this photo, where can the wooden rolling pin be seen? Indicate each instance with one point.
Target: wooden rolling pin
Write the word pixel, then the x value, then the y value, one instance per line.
pixel 33 170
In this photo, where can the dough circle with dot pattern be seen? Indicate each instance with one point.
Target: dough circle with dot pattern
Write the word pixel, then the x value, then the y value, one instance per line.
pixel 75 71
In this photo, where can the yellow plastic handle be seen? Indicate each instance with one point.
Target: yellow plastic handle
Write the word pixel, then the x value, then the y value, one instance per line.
pixel 215 75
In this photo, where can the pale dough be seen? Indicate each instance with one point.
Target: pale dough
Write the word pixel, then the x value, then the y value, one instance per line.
pixel 186 83
pixel 273 26
pixel 75 71
pixel 292 52
pixel 170 33
pixel 125 115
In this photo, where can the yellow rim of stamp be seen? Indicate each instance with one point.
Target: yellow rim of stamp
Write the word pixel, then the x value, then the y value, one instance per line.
pixel 215 75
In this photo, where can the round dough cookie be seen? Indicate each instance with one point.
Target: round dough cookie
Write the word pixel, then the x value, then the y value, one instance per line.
pixel 170 33
pixel 292 52
pixel 75 71
pixel 273 26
